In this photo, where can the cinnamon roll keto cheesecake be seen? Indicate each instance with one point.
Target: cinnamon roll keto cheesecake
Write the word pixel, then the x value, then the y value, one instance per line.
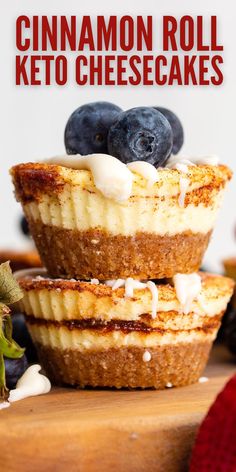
pixel 124 333
pixel 128 207
pixel 94 216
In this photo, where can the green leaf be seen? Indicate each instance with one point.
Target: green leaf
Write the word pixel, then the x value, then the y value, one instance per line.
pixel 8 327
pixel 10 348
pixel 4 393
pixel 10 291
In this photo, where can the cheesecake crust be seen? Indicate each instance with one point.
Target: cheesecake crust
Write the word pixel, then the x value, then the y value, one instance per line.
pixel 99 254
pixel 178 364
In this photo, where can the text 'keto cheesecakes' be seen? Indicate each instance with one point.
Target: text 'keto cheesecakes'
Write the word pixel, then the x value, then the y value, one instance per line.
pixel 97 217
pixel 124 333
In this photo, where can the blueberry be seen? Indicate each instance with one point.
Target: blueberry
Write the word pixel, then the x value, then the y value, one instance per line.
pixel 141 134
pixel 14 368
pixel 87 128
pixel 177 128
pixel 24 226
pixel 21 335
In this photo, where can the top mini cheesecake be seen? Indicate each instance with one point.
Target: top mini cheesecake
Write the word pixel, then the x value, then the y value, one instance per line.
pixel 95 217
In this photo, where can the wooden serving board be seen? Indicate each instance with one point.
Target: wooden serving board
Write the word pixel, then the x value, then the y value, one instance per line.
pixel 104 430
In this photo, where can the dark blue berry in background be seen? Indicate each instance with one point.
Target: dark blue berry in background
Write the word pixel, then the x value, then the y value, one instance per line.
pixel 24 226
pixel 87 128
pixel 141 134
pixel 14 368
pixel 21 335
pixel 177 128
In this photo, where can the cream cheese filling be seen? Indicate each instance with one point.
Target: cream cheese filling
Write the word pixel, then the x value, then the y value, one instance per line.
pixel 71 304
pixel 63 338
pixel 76 209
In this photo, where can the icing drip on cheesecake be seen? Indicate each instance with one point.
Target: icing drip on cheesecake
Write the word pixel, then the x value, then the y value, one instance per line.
pixel 182 167
pixel 111 176
pixel 94 281
pixel 147 356
pixel 30 384
pixel 181 163
pixel 114 178
pixel 177 159
pixel 131 284
pixel 183 185
pixel 154 291
pixel 169 385
pixel 187 287
pixel 146 170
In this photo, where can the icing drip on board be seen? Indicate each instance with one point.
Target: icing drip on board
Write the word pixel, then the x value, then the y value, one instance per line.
pixel 30 384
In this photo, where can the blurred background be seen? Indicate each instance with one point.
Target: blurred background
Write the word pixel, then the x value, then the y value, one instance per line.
pixel 33 118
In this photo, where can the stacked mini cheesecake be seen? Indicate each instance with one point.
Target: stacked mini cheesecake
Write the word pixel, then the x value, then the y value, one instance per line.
pixel 120 303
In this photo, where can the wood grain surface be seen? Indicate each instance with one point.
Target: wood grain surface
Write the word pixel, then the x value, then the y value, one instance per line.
pixel 107 430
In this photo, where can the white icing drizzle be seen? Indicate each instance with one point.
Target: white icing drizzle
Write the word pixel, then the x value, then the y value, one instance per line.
pixel 202 302
pixel 4 405
pixel 169 385
pixel 111 176
pixel 30 384
pixel 131 284
pixel 154 291
pixel 203 380
pixel 187 287
pixel 183 184
pixel 118 283
pixel 114 179
pixel 147 356
pixel 95 281
pixel 182 167
pixel 174 160
pixel 146 170
pixel 94 241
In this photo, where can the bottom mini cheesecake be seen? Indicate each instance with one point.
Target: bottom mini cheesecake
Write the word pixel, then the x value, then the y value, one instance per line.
pixel 96 334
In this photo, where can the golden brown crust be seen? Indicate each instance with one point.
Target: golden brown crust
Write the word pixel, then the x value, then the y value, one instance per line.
pixel 39 279
pixel 33 180
pixel 72 254
pixel 180 364
pixel 20 260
